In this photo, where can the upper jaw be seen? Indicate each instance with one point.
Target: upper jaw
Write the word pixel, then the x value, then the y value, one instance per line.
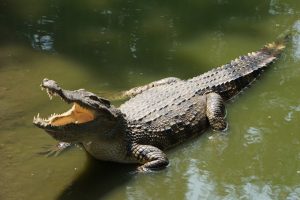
pixel 86 107
pixel 82 97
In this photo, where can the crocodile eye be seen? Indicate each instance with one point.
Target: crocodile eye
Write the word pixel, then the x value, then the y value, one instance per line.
pixel 95 98
pixel 105 101
pixel 99 99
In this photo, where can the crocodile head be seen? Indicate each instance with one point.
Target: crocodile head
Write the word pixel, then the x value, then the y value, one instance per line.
pixel 89 115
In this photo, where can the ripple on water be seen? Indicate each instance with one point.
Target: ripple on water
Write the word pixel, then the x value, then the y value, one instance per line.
pixel 263 191
pixel 253 136
pixel 290 115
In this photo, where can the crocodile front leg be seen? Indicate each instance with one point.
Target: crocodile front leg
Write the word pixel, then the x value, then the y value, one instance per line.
pixel 57 149
pixel 215 111
pixel 152 158
pixel 137 90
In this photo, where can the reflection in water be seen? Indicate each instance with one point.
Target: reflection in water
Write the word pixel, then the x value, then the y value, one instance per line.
pixel 277 7
pixel 252 191
pixel 41 34
pixel 294 194
pixel 269 192
pixel 200 186
pixel 42 42
pixel 296 40
pixel 132 44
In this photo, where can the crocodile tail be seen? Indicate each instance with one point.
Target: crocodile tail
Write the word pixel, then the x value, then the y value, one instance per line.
pixel 274 48
pixel 251 69
pixel 231 78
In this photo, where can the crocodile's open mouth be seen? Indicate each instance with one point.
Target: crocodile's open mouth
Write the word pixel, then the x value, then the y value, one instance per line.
pixel 89 113
pixel 78 114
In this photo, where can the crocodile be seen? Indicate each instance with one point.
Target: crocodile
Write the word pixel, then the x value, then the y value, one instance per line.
pixel 155 117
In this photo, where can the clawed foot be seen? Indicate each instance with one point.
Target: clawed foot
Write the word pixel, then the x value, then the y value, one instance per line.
pixel 222 126
pixel 56 149
pixel 144 170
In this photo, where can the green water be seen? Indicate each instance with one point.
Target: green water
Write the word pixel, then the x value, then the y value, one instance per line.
pixel 110 46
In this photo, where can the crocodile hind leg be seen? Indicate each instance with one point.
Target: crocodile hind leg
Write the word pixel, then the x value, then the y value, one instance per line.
pixel 152 158
pixel 137 90
pixel 215 111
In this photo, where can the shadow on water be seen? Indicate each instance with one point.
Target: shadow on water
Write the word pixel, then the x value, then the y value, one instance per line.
pixel 97 180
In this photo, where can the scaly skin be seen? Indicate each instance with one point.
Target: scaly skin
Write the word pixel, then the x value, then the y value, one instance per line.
pixel 157 117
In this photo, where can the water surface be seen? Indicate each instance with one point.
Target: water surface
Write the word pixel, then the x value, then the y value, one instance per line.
pixel 110 46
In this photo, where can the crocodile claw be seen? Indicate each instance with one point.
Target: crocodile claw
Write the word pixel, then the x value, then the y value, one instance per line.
pixel 56 150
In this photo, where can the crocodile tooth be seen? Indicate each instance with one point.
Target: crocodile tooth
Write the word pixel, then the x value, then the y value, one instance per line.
pixel 50 94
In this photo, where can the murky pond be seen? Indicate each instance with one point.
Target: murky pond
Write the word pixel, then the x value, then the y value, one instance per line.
pixel 110 46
